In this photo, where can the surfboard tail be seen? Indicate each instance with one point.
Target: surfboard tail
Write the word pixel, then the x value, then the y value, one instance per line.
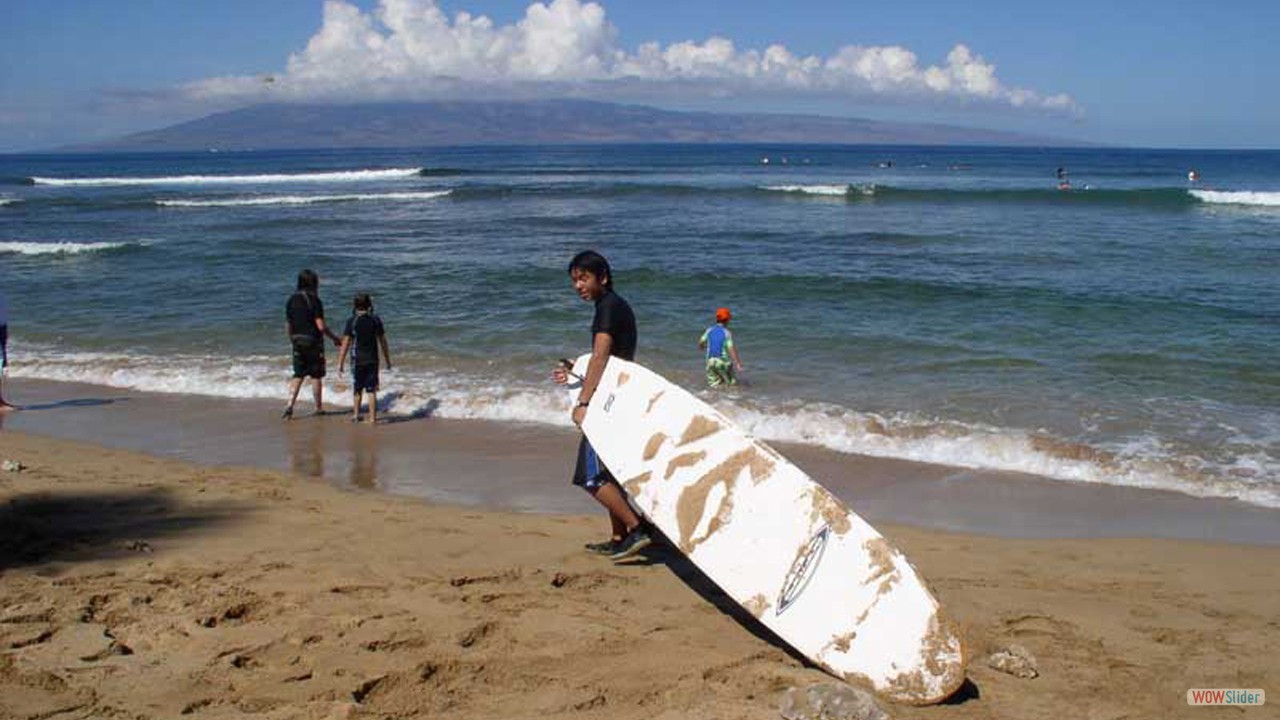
pixel 941 672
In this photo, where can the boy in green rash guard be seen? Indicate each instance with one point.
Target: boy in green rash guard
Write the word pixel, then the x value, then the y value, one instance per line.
pixel 722 356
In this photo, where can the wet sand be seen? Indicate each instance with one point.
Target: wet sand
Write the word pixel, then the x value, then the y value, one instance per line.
pixel 139 587
pixel 525 467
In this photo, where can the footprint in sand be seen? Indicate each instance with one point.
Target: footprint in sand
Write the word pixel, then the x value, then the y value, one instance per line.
pixel 397 641
pixel 477 634
pixel 361 591
pixel 1034 625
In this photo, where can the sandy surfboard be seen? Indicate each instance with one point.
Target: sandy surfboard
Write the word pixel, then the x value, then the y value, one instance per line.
pixel 777 542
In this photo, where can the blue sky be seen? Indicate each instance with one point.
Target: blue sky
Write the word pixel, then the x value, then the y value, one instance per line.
pixel 1135 72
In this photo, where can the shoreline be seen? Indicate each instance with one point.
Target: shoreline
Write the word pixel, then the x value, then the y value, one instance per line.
pixel 151 588
pixel 525 467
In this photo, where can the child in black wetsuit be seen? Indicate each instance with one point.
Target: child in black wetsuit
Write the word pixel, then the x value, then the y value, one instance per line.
pixel 362 337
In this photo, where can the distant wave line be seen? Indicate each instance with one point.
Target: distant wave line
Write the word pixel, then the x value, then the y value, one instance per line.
pixel 335 176
pixel 1149 197
pixel 302 199
pixel 840 190
pixel 63 248
pixel 1240 197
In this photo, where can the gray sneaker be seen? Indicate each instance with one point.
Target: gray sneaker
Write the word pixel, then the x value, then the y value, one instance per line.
pixel 634 542
pixel 608 547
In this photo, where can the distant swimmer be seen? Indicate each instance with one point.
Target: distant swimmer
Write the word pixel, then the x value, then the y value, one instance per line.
pixel 1062 173
pixel 1193 176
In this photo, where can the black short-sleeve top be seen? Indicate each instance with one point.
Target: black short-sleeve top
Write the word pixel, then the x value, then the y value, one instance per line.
pixel 364 329
pixel 614 317
pixel 301 311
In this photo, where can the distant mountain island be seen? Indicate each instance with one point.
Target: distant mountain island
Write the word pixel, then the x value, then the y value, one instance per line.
pixel 442 123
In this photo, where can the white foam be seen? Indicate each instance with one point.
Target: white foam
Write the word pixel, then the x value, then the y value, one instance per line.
pixel 1223 197
pixel 1251 478
pixel 9 201
pixel 336 176
pixel 302 199
pixel 988 448
pixel 447 394
pixel 61 248
pixel 829 190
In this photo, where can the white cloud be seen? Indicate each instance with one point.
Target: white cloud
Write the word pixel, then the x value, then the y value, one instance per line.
pixel 411 49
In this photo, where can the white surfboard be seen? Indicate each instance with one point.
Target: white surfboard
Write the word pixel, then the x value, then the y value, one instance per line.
pixel 777 542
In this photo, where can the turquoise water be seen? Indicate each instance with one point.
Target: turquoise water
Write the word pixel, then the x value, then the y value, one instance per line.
pixel 941 304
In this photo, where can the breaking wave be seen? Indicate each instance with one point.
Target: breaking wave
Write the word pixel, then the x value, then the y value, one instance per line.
pixel 1242 197
pixel 303 199
pixel 64 248
pixel 338 176
pixel 829 190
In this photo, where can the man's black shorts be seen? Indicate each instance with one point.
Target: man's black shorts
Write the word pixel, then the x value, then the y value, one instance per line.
pixel 364 378
pixel 590 474
pixel 308 356
pixel 4 346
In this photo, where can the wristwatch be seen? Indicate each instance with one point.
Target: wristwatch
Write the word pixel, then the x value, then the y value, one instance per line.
pixel 583 403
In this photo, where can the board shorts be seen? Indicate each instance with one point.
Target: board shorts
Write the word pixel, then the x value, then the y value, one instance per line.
pixel 364 378
pixel 308 356
pixel 590 474
pixel 720 372
pixel 4 346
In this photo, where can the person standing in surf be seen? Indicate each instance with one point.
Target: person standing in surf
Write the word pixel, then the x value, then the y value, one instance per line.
pixel 304 324
pixel 362 336
pixel 613 333
pixel 4 350
pixel 722 356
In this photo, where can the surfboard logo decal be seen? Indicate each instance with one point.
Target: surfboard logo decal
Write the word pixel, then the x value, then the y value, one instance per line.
pixel 802 570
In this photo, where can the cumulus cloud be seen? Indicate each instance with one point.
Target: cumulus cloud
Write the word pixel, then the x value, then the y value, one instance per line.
pixel 411 49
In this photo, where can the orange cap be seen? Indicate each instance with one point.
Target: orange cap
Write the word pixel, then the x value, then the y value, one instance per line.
pixel 723 315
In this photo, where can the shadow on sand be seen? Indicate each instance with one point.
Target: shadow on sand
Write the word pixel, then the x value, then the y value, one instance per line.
pixel 37 528
pixel 421 414
pixel 663 552
pixel 76 403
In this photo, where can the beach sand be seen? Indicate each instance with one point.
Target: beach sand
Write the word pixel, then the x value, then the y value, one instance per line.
pixel 138 587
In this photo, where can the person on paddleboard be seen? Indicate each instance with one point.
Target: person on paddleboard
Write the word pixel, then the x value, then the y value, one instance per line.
pixel 613 333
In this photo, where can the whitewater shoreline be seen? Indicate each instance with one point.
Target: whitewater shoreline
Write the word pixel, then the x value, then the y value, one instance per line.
pixel 467 392
pixel 526 466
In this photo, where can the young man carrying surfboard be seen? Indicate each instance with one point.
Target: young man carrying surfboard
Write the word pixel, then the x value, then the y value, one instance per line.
pixel 613 333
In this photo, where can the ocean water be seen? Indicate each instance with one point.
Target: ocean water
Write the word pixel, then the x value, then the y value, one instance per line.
pixel 939 304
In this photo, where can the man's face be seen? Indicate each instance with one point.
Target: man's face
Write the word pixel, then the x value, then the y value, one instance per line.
pixel 587 284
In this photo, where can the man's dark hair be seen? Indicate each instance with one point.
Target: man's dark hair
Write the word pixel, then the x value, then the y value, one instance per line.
pixel 594 263
pixel 308 281
pixel 363 302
